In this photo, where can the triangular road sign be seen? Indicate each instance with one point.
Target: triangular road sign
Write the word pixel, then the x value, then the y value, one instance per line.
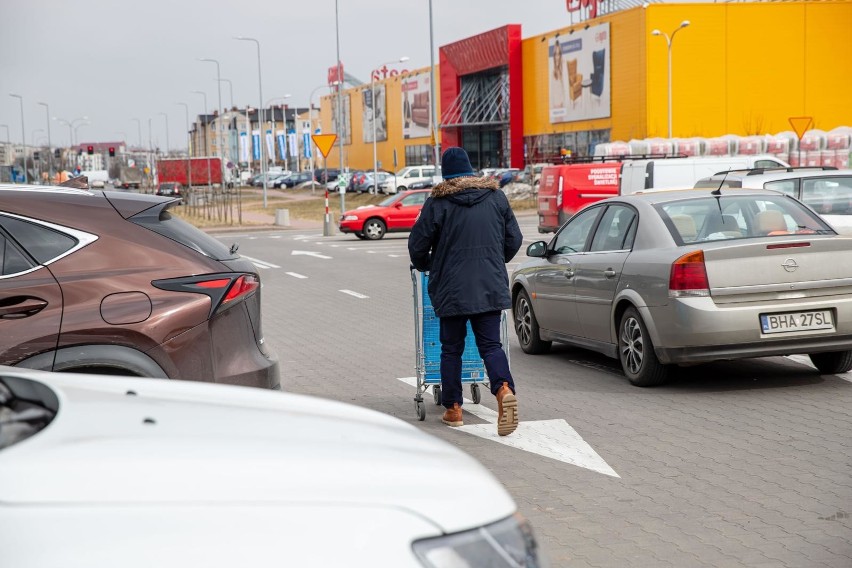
pixel 801 124
pixel 324 142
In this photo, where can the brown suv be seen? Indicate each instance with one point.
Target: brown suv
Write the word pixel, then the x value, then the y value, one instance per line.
pixel 109 282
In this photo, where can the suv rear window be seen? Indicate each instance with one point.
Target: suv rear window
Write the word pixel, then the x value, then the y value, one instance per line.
pixel 164 223
pixel 42 243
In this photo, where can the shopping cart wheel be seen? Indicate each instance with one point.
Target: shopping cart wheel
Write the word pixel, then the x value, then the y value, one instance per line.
pixel 421 410
pixel 436 394
pixel 474 393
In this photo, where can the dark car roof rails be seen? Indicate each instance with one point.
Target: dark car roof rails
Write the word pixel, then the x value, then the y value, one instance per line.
pixel 758 171
pixel 604 159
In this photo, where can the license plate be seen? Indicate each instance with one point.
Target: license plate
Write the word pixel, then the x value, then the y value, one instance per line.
pixel 796 321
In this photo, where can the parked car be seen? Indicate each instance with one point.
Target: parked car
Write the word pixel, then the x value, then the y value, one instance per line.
pixel 394 214
pixel 682 277
pixel 170 188
pixel 406 176
pixel 325 175
pixel 110 282
pixel 167 474
pixel 277 180
pixel 827 190
pixel 368 185
pixel 295 179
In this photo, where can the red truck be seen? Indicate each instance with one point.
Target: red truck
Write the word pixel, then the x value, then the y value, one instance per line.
pixel 566 188
pixel 190 171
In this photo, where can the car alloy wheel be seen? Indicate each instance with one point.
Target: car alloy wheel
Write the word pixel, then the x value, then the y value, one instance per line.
pixel 632 345
pixel 636 352
pixel 526 326
pixel 374 229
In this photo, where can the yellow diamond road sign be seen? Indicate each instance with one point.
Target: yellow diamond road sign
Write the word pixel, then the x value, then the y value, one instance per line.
pixel 324 142
pixel 801 124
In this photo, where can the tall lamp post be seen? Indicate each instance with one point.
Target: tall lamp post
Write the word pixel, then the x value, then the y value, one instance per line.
pixel 311 120
pixel 669 39
pixel 231 107
pixel 259 115
pixel 375 188
pixel 166 116
pixel 23 133
pixel 432 100
pixel 339 105
pixel 188 147
pixel 219 117
pixel 49 150
pixel 203 94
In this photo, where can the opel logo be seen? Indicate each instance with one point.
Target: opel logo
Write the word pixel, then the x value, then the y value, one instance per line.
pixel 790 265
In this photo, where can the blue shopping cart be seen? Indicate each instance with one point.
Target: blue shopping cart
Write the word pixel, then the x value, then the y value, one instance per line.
pixel 428 349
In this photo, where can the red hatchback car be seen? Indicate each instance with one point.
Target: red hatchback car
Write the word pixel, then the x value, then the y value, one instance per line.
pixel 111 283
pixel 397 213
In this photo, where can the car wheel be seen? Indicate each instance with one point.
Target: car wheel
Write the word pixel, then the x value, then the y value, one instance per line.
pixel 526 326
pixel 636 352
pixel 832 363
pixel 360 236
pixel 374 229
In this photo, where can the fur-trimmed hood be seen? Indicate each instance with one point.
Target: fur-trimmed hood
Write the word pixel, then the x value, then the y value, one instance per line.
pixel 455 185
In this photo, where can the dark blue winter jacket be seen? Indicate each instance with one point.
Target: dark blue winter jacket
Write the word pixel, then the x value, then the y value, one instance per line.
pixel 465 235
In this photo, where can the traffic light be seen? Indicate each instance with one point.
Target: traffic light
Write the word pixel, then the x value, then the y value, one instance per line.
pixel 111 152
pixel 36 155
pixel 90 150
pixel 57 154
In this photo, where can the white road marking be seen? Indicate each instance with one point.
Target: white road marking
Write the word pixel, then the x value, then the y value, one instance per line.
pixel 308 253
pixel 260 263
pixel 554 439
pixel 275 236
pixel 295 275
pixel 805 360
pixel 371 252
pixel 395 255
pixel 356 294
pixel 351 248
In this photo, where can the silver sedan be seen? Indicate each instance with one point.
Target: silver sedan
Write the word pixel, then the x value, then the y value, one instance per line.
pixel 682 277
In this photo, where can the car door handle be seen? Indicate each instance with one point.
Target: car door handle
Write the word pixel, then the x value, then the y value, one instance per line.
pixel 609 273
pixel 19 307
pixel 569 273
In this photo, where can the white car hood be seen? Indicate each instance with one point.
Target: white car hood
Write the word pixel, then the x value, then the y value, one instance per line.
pixel 184 444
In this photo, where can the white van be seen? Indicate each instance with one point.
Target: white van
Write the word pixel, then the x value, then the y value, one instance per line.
pixel 407 176
pixel 682 173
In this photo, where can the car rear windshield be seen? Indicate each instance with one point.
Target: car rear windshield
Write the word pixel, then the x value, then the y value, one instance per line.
pixel 164 223
pixel 738 217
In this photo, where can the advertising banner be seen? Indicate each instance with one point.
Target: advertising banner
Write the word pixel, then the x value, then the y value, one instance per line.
pixel 270 144
pixel 293 140
pixel 255 146
pixel 416 106
pixel 306 143
pixel 282 144
pixel 380 113
pixel 244 147
pixel 347 124
pixel 579 75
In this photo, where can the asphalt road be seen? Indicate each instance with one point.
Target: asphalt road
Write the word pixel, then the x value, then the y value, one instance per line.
pixel 743 463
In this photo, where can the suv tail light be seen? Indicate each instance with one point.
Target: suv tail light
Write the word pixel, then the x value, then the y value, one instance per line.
pixel 689 276
pixel 224 290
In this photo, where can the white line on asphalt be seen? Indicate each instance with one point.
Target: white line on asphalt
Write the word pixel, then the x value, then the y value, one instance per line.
pixel 805 360
pixel 275 236
pixel 308 253
pixel 395 255
pixel 260 263
pixel 554 439
pixel 351 248
pixel 295 275
pixel 371 252
pixel 356 294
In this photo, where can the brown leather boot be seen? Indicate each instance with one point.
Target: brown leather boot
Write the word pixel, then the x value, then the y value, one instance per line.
pixel 507 410
pixel 453 416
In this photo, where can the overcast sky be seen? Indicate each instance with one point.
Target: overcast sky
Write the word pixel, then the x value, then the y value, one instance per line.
pixel 117 60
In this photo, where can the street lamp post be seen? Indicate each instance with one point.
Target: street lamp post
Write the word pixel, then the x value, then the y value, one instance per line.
pixel 49 150
pixel 432 100
pixel 166 116
pixel 311 121
pixel 375 188
pixel 669 40
pixel 219 118
pixel 203 94
pixel 139 128
pixel 230 107
pixel 339 106
pixel 260 114
pixel 23 133
pixel 188 148
pixel 36 164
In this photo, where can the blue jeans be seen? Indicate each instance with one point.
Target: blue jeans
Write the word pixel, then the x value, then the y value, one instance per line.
pixel 486 330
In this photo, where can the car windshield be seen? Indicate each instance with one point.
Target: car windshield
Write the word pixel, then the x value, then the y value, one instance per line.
pixel 738 217
pixel 389 201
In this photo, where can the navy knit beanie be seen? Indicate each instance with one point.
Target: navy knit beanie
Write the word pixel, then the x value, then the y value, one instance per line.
pixel 455 163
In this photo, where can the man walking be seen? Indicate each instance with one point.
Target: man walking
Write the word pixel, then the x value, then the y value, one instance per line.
pixel 465 235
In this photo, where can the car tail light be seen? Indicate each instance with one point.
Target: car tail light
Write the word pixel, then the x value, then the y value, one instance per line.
pixel 224 290
pixel 689 276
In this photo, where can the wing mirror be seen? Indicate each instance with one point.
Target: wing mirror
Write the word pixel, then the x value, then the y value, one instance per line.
pixel 537 249
pixel 398 205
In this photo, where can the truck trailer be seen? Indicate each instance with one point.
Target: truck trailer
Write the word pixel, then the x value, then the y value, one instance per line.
pixel 190 171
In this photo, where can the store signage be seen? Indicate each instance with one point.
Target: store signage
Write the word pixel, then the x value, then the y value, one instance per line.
pixel 335 74
pixel 590 9
pixel 384 73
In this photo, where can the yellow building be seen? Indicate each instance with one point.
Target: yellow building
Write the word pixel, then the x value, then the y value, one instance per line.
pixel 738 68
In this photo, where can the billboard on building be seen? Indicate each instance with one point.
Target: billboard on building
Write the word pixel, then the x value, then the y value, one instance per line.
pixel 579 75
pixel 416 106
pixel 381 114
pixel 346 131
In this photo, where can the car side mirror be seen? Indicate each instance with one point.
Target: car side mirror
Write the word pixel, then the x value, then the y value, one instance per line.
pixel 537 249
pixel 398 205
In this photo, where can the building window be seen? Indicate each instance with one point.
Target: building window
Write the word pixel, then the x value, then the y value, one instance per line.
pixel 418 155
pixel 546 147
